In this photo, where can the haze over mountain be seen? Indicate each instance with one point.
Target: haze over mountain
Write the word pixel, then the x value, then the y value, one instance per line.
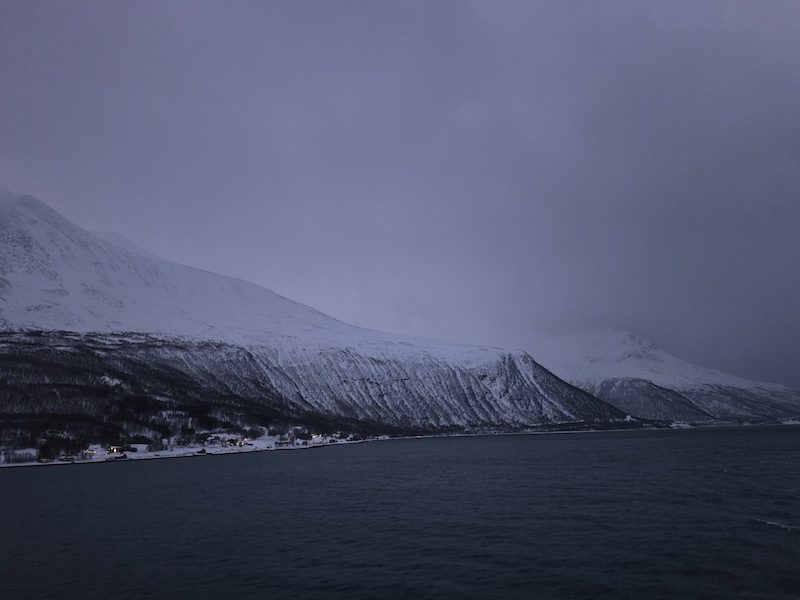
pixel 115 320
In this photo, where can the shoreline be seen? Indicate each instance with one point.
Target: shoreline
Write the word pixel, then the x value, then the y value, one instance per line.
pixel 267 446
pixel 193 451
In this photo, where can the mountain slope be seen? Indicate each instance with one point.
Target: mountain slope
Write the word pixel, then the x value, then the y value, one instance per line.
pixel 631 373
pixel 645 399
pixel 158 327
pixel 56 276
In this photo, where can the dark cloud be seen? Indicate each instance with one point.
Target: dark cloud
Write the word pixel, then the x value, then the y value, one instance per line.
pixel 469 171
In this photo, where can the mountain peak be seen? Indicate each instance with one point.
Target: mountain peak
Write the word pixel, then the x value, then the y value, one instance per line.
pixel 25 203
pixel 600 354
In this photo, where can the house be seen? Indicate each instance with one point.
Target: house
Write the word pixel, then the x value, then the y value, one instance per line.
pixel 115 449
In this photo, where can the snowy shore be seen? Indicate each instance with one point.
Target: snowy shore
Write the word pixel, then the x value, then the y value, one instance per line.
pixel 102 454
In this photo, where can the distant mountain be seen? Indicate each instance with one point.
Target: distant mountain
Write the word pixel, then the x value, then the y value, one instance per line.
pixel 96 329
pixel 637 377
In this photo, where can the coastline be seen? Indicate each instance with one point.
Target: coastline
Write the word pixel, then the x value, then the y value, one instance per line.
pixel 269 445
pixel 265 444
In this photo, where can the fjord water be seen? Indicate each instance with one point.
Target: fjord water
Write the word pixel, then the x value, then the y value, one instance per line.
pixel 711 513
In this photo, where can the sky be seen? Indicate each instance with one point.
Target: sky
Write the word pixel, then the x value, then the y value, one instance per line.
pixel 469 171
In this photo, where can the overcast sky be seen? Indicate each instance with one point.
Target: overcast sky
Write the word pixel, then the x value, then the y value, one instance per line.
pixel 471 171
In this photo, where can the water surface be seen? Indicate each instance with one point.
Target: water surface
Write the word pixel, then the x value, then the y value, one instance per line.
pixel 711 513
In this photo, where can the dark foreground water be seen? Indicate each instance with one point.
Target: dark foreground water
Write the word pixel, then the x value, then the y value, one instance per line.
pixel 672 514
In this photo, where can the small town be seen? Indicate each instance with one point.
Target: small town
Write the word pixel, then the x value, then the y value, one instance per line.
pixel 201 444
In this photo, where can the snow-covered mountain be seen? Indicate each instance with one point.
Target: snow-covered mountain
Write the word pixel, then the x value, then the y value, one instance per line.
pixel 123 323
pixel 642 379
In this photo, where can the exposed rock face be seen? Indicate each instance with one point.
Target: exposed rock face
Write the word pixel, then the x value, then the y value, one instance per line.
pixel 112 375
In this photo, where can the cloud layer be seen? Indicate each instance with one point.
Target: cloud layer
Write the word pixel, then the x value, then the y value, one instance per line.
pixel 469 171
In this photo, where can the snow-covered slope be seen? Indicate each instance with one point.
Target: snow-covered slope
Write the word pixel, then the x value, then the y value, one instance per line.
pixel 59 276
pixel 623 368
pixel 56 276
